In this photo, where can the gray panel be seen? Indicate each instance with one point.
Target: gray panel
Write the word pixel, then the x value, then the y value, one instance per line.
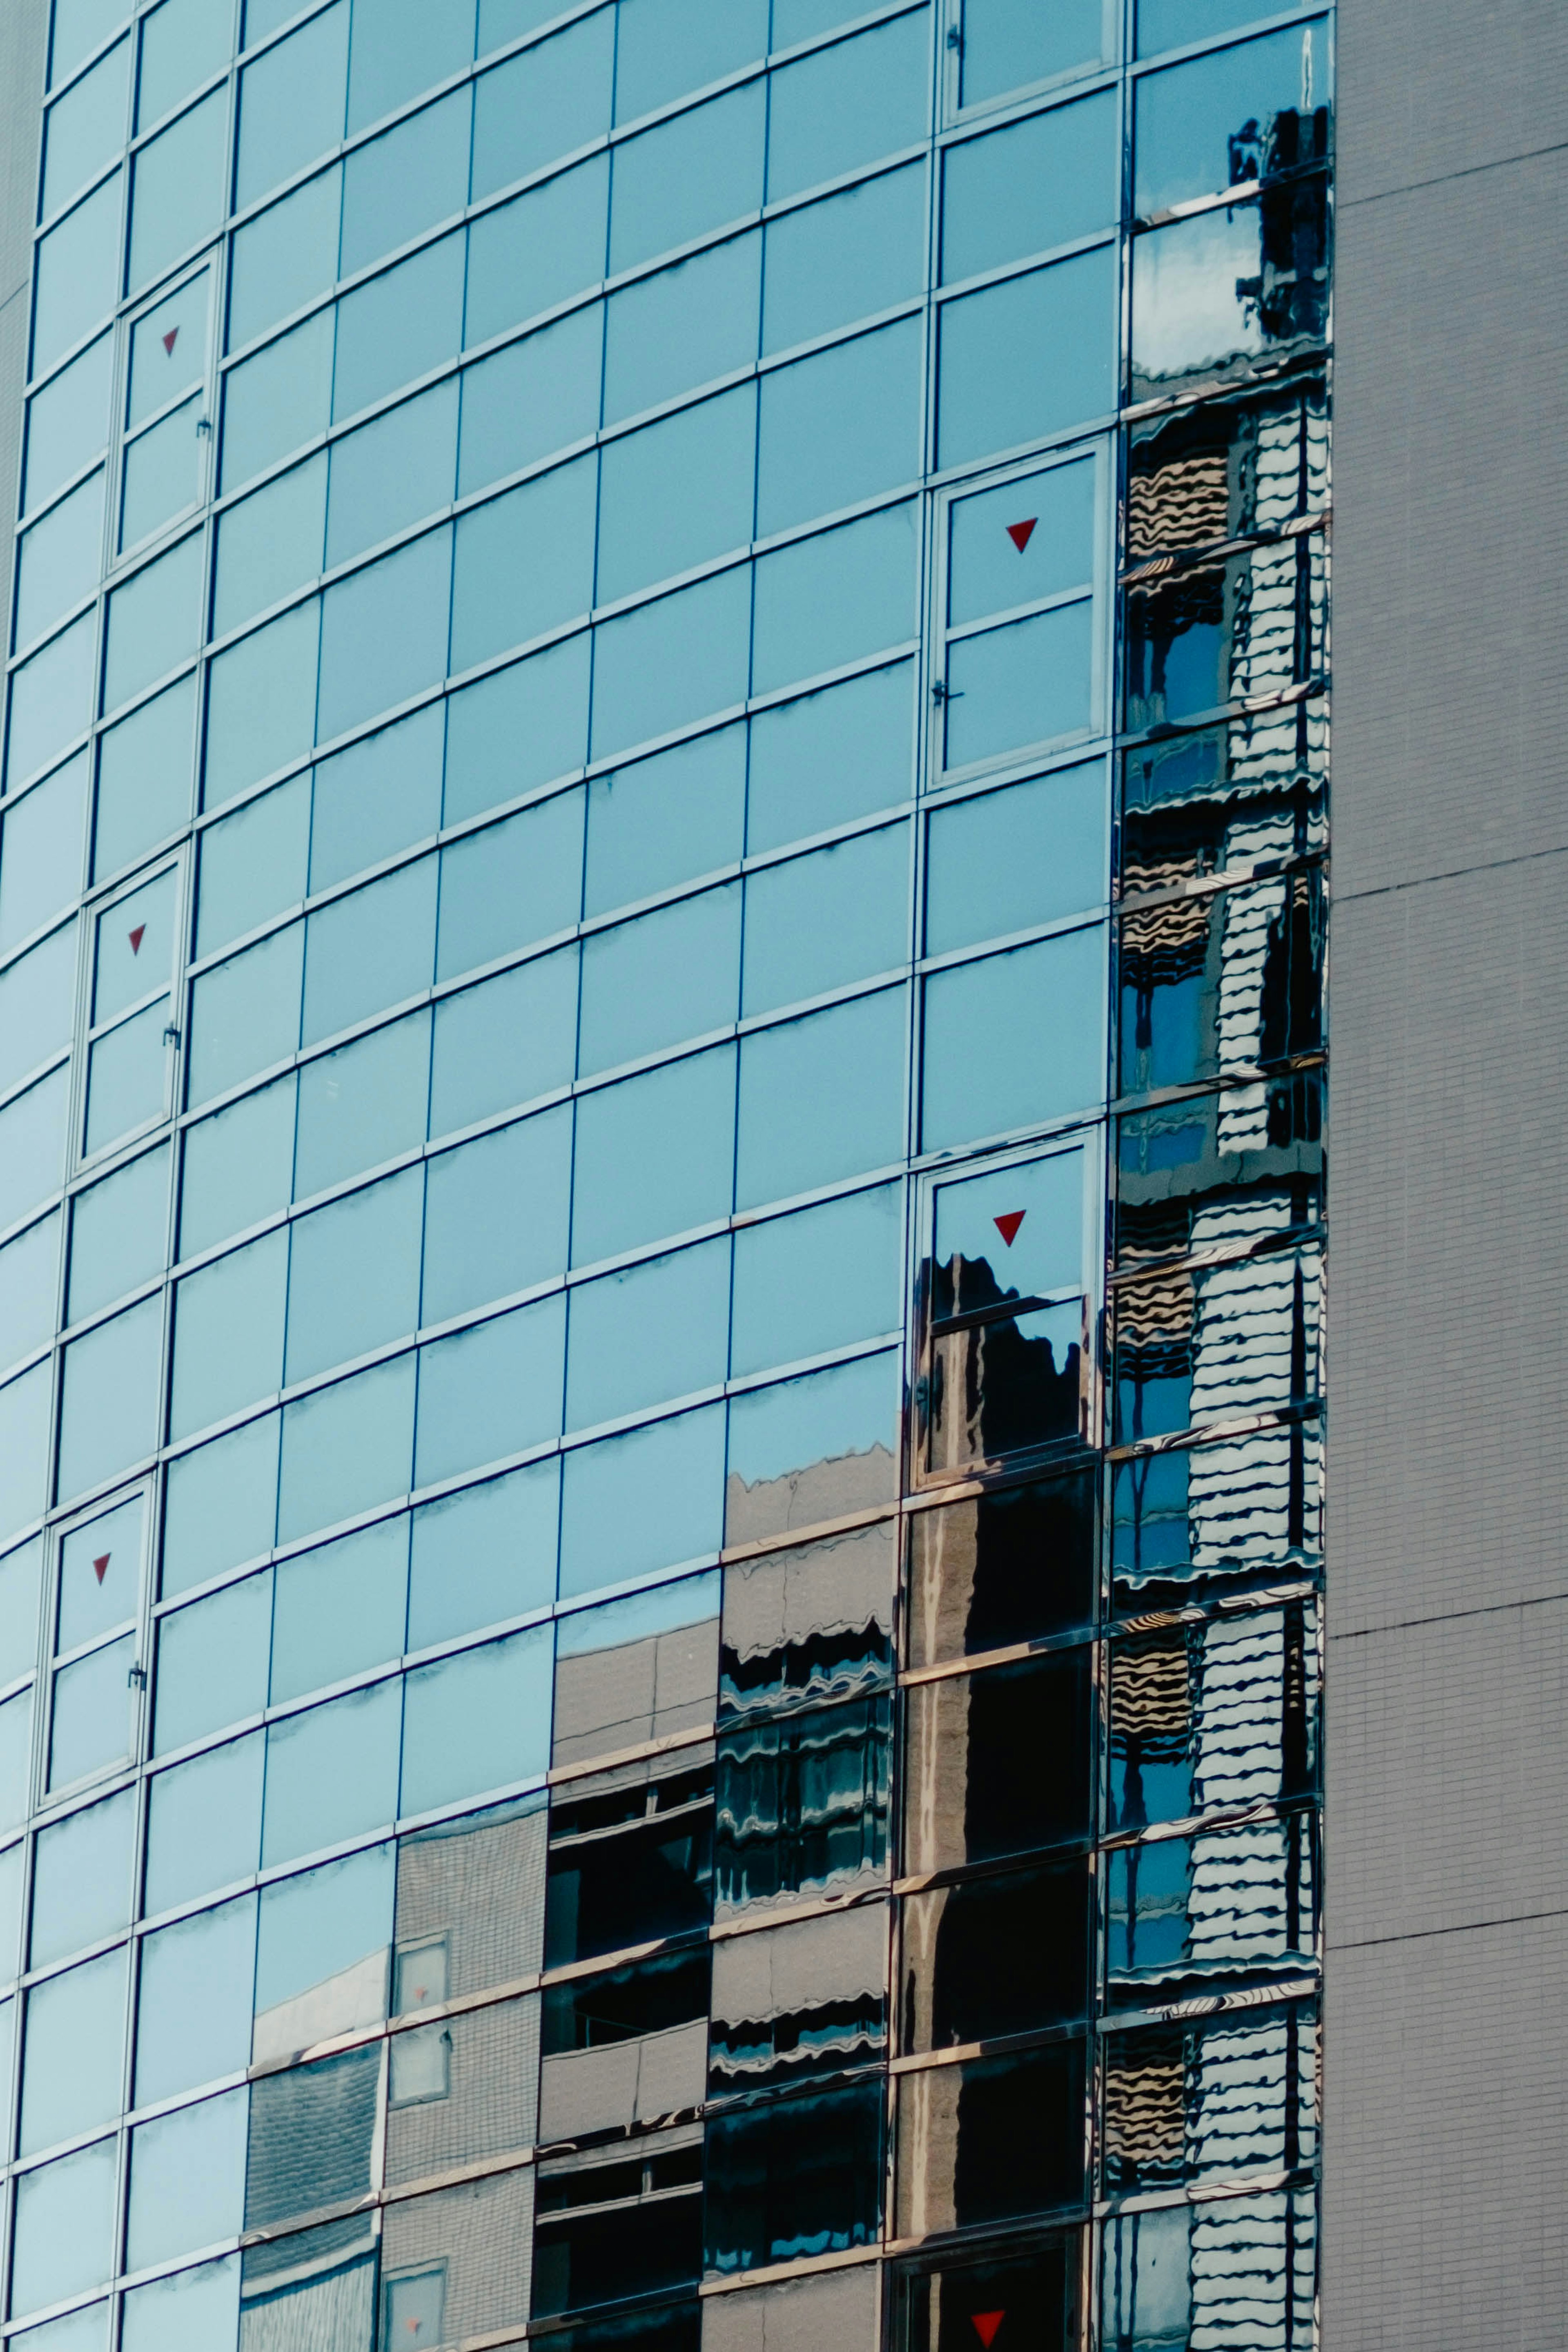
pixel 1446 2167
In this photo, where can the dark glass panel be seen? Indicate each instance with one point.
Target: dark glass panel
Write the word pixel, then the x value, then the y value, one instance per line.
pixel 1000 1568
pixel 797 2001
pixel 1197 2102
pixel 794 2177
pixel 629 1865
pixel 1027 2303
pixel 991 2139
pixel 616 2251
pixel 678 2327
pixel 1207 1344
pixel 801 1803
pixel 997 1762
pixel 1190 1521
pixel 1227 629
pixel 995 1956
pixel 1214 1715
pixel 1007 1387
pixel 591 2013
pixel 1174 2276
pixel 1220 1167
pixel 1224 1902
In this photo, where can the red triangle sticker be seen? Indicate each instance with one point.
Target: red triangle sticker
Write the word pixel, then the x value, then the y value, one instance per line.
pixel 1020 533
pixel 169 340
pixel 1008 1227
pixel 100 1566
pixel 137 935
pixel 986 2326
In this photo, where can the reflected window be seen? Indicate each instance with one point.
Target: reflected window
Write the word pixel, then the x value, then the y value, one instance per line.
pixel 802 1803
pixel 788 2177
pixel 1201 2101
pixel 991 2139
pixel 1033 2298
pixel 631 1864
pixel 1194 1519
pixel 1210 1343
pixel 610 2232
pixel 1003 1567
pixel 796 2002
pixel 997 1763
pixel 1182 1910
pixel 1212 1715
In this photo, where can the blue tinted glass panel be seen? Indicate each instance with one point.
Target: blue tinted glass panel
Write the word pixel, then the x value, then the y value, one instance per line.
pixel 377 797
pixel 178 189
pixel 211 1665
pixel 1232 117
pixel 194 2013
pixel 673 1126
pixel 1008 43
pixel 822 1278
pixel 813 1449
pixel 144 778
pixel 269 546
pixel 187 2180
pixel 515 883
pixel 833 600
pixel 383 634
pixel 676 494
pixel 671 663
pixel 261 704
pixel 1030 682
pixel 508 734
pixel 75 274
pixel 371 950
pixel 831 757
pixel 340 1610
pixel 399 326
pixel 110 1398
pixel 254 865
pixel 154 622
pixel 683 328
pixel 85 130
pixel 668 47
pixel 819 923
pixel 1005 861
pixel 490 1391
pixel 238 1168
pixel 1030 358
pixel 392 473
pixel 229 1335
pixel 845 258
pixel 58 561
pixel 1036 184
pixel 331 1772
pixel 484 1555
pixel 659 1331
pixel 689 176
pixel 402 184
pixel 402 47
pixel 353 1275
pixel 849 1064
pixel 531 399
pixel 346 1448
pixel 291 104
pixel 68 423
pixel 543 103
pixel 537 251
pixel 669 976
pixel 495 1215
pixel 840 429
pixel 51 700
pixel 277 400
pixel 1015 1040
pixel 204 1826
pixel 505 1041
pixel 525 563
pixel 285 256
pixel 665 820
pixel 64 2229
pixel 221 1506
pixel 364 1104
pixel 632 1505
pixel 849 105
pixel 478 1722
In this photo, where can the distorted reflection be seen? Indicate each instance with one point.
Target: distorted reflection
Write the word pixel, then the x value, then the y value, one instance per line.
pixel 1209 1343
pixel 1214 1715
pixel 1221 982
pixel 810 1625
pixel 1000 1568
pixel 1231 2274
pixel 317 2286
pixel 1252 789
pixel 631 1858
pixel 617 2225
pixel 1028 2304
pixel 837 2307
pixel 1221 1901
pixel 997 1954
pixel 1202 1515
pixel 1257 111
pixel 1217 1170
pixel 793 2177
pixel 455 2264
pixel 803 1804
pixel 808 1451
pixel 1227 292
pixel 997 1763
pixel 1006 1363
pixel 794 2002
pixel 624 2049
pixel 635 1671
pixel 990 2139
pixel 1218 2096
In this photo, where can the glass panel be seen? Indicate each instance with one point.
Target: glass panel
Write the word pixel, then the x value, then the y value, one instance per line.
pixel 531 399
pixel 74 2053
pixel 819 922
pixel 321 1953
pixel 490 1391
pixel 1226 1900
pixel 997 1763
pixel 682 328
pixel 801 1804
pixel 810 1624
pixel 346 1448
pixel 839 427
pixel 850 1061
pixel 1171 24
pixel 384 633
pixel 75 275
pixel 1049 1197
pixel 1039 2290
pixel 291 104
pixel 1003 861
pixel 976 1081
pixel 100 1576
pixel 15 1770
pixel 58 560
pixel 168 349
pixel 676 494
pixel 657 1332
pixel 179 193
pixel 475 1722
pixel 1250 113
pixel 649 1879
pixel 402 185
pixel 485 1555
pixel 392 473
pixel 332 1773
pixel 669 664
pixel 402 47
pixel 187 2180
pixel 237 1167
pixel 503 1042
pixel 799 2001
pixel 523 565
pixel 668 47
pixel 1227 292
pixel 688 177
pixel 354 1275
pixel 283 258
pixel 405 321
pixel 1216 1169
pixel 110 1403
pixel 1217 1342
pixel 64 2228
pixel 68 423
pixel 1039 184
pixel 221 1506
pixel 819 1279
pixel 370 951
pixel 144 778
pixel 827 602
pixel 128 1076
pixel 338 1611
pixel 229 1335
pixel 537 251
pixel 844 258
pixel 154 622
pixel 1005 1567
pixel 213 1663
pixel 205 1824
pixel 1266 2245
pixel 25 1426
pixel 849 105
pixel 143 919
pixel 990 2140
pixel 1008 1953
pixel 476 1248
pixel 831 757
pixel 182 44
pixel 1214 1715
pixel 278 399
pixel 194 2311
pixel 674 1125
pixel 631 1673
pixel 1003 376
pixel 29 1291
pixel 1008 43
pixel 35 998
pixel 522 727
pixel 79 27
pixel 1270 2065
pixel 543 103
pixel 812 1450
pixel 165 473
pixel 269 545
pixel 636 1503
pixel 653 984
pixel 665 820
pixel 92 1728
pixel 506 887
pixel 794 2177
pixel 21 1583
pixel 83 1870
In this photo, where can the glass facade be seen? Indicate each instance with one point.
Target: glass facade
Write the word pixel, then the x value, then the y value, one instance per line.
pixel 660 1427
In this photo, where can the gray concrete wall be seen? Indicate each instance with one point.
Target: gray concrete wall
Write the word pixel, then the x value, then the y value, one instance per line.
pixel 1446 2147
pixel 24 31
